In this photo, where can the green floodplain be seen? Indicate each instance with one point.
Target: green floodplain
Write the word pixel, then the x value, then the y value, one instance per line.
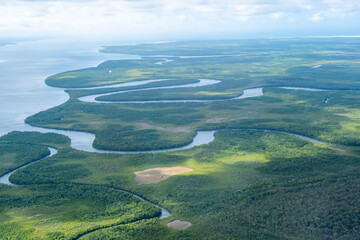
pixel 254 181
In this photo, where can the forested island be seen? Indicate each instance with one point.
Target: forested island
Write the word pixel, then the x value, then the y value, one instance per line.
pixel 284 163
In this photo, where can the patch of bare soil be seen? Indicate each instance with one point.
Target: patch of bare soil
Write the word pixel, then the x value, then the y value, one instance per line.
pixel 180 225
pixel 155 175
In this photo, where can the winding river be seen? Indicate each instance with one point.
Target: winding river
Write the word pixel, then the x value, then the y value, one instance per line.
pixel 25 65
pixel 5 178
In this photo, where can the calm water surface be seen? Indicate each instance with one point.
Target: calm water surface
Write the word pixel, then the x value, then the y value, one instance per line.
pixel 23 69
pixel 23 92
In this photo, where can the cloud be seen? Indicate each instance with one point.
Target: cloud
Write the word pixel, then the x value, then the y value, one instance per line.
pixel 277 15
pixel 151 18
pixel 317 17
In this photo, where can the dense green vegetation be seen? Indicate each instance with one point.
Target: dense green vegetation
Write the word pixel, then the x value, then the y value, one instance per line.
pixel 15 155
pixel 50 206
pixel 279 109
pixel 66 211
pixel 17 148
pixel 249 183
pixel 247 64
pixel 35 138
pixel 236 187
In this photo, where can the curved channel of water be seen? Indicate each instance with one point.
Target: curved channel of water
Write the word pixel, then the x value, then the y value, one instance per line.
pixel 201 137
pixel 83 141
pixel 307 89
pixel 92 98
pixel 248 93
pixel 164 213
pixel 4 179
pixel 24 66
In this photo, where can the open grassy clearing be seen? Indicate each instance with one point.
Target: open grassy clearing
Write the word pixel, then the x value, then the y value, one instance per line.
pixel 155 175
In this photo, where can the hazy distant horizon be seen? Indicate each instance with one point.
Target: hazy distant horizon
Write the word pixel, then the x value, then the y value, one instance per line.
pixel 119 42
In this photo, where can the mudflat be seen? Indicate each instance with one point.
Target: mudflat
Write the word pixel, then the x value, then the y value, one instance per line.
pixel 155 175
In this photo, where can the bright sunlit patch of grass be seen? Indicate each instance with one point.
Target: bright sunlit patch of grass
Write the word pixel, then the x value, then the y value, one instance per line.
pixel 244 157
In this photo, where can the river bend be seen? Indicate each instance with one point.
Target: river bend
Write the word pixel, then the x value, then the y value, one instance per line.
pixel 30 70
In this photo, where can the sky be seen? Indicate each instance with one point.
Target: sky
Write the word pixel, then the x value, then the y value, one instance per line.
pixel 151 20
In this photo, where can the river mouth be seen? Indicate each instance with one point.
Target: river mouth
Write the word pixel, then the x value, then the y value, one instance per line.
pixel 36 60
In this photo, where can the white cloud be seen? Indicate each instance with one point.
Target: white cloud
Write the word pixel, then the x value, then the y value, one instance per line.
pixel 317 17
pixel 126 18
pixel 277 15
